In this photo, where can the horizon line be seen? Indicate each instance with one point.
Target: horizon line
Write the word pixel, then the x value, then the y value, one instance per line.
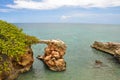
pixel 61 23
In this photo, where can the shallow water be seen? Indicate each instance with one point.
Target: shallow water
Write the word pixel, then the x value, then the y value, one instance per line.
pixel 80 57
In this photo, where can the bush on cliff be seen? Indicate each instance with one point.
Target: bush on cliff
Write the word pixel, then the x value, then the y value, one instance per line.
pixel 13 42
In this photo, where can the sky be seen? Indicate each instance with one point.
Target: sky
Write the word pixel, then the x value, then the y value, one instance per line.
pixel 60 11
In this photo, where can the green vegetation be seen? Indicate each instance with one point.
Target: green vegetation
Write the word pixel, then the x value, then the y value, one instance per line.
pixel 4 67
pixel 13 44
pixel 13 41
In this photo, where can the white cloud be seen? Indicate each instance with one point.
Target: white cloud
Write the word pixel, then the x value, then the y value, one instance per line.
pixel 54 4
pixel 89 15
pixel 91 18
pixel 5 10
pixel 63 17
pixel 77 15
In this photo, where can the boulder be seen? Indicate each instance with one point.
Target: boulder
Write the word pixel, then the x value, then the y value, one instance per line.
pixel 53 55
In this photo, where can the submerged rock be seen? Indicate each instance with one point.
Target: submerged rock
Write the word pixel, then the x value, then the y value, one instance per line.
pixel 98 62
pixel 112 48
pixel 53 56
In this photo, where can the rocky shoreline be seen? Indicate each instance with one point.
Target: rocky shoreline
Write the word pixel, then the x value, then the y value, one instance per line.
pixel 112 48
pixel 16 68
pixel 53 56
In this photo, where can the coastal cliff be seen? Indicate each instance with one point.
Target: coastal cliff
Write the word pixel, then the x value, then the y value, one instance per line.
pixel 16 55
pixel 112 48
pixel 14 68
pixel 53 56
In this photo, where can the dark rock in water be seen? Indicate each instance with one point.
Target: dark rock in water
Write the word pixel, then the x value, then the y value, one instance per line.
pixel 15 68
pixel 98 62
pixel 117 57
pixel 53 56
pixel 40 57
pixel 112 48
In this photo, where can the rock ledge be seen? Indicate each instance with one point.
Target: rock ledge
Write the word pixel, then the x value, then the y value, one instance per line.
pixel 112 48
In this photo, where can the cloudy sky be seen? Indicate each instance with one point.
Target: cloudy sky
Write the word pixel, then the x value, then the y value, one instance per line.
pixel 60 11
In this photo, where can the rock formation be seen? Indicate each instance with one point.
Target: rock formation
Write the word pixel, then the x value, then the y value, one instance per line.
pixel 98 62
pixel 112 48
pixel 53 56
pixel 15 68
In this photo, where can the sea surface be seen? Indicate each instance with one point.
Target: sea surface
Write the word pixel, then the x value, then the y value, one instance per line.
pixel 80 57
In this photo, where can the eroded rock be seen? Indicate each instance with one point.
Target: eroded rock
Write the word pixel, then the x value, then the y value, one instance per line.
pixel 15 68
pixel 112 48
pixel 53 56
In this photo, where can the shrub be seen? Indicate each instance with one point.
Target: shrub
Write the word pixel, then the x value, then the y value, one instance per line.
pixel 13 41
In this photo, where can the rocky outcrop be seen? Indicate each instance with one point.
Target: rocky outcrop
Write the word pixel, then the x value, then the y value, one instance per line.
pixel 112 48
pixel 53 56
pixel 26 61
pixel 16 67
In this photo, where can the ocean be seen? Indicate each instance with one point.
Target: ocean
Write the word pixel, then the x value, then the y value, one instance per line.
pixel 80 57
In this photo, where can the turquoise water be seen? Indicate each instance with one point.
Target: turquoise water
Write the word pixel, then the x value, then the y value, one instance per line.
pixel 80 57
